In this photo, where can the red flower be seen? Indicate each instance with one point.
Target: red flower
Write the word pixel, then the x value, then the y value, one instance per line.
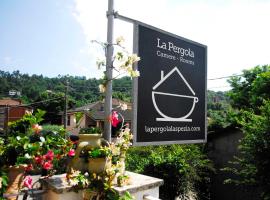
pixel 38 159
pixel 114 119
pixel 47 165
pixel 49 155
pixel 71 152
pixel 28 168
pixel 27 182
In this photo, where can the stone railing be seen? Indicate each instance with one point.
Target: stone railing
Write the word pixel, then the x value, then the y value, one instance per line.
pixel 141 187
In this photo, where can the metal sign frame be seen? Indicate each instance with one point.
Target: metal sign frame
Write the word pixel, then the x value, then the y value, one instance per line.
pixel 135 88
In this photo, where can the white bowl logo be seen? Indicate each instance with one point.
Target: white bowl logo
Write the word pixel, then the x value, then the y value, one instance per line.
pixel 181 117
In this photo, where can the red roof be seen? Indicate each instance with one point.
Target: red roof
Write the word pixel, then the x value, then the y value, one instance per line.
pixel 10 102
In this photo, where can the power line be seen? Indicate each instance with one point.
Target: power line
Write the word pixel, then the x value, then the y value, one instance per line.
pixel 224 86
pixel 118 87
pixel 89 87
pixel 212 79
pixel 36 102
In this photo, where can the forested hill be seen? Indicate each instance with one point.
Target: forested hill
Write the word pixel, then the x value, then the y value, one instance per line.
pixel 37 87
pixel 49 94
pixel 80 91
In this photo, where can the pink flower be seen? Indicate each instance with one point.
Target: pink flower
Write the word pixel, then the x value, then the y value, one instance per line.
pixel 27 182
pixel 114 119
pixel 47 165
pixel 38 159
pixel 37 128
pixel 71 152
pixel 49 155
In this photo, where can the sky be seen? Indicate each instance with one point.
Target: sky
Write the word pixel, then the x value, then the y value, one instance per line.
pixel 53 37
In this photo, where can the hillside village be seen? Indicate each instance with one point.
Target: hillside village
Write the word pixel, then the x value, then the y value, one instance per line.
pixel 227 130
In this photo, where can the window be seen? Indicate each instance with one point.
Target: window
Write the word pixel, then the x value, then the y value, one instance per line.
pixel 68 120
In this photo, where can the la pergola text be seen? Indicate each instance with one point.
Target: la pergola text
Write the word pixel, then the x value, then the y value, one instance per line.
pixel 169 46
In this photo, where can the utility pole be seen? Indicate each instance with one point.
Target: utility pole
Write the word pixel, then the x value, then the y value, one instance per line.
pixel 109 60
pixel 66 105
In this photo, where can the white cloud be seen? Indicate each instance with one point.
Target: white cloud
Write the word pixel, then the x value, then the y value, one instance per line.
pixel 91 15
pixel 236 32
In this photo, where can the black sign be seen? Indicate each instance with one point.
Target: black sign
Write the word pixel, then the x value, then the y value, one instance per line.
pixel 170 94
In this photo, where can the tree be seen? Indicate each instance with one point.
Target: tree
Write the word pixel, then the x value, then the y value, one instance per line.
pixel 249 90
pixel 53 103
pixel 253 164
pixel 250 94
pixel 184 169
pixel 218 111
pixel 81 89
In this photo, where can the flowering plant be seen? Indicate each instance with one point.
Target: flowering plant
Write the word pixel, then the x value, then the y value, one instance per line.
pixel 37 149
pixel 123 141
pixel 122 62
pixel 122 180
pixel 102 183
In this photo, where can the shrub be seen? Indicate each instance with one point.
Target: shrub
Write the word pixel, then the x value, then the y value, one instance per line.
pixel 90 130
pixel 184 168
pixel 253 164
pixel 42 150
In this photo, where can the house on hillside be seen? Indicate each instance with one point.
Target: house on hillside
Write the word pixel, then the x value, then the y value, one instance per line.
pixel 11 110
pixel 93 115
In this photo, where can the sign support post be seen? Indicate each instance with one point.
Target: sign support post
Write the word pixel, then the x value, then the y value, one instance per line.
pixel 109 55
